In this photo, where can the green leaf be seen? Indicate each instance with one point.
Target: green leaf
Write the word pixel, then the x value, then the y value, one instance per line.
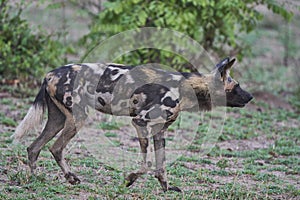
pixel 55 5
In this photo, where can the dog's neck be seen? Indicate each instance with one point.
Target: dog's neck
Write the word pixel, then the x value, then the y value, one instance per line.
pixel 196 94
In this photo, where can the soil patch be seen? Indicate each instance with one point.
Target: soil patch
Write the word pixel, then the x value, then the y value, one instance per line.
pixel 270 99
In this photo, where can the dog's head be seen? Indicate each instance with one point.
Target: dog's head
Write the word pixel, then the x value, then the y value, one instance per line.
pixel 235 96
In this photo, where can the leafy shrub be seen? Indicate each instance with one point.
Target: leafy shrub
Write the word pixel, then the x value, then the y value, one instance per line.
pixel 25 54
pixel 215 24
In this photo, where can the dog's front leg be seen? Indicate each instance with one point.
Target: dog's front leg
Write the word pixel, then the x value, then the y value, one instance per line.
pixel 160 158
pixel 143 137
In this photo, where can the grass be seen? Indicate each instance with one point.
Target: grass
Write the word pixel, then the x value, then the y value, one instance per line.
pixel 265 172
pixel 109 126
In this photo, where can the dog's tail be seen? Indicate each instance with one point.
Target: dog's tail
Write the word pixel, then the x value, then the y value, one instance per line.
pixel 34 115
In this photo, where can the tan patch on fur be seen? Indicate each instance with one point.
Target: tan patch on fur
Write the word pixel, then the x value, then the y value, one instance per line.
pixel 52 81
pixel 116 64
pixel 152 75
pixel 190 85
pixel 198 82
pixel 76 67
pixel 229 85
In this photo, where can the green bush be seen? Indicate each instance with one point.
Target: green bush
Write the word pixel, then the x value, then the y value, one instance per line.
pixel 25 54
pixel 215 24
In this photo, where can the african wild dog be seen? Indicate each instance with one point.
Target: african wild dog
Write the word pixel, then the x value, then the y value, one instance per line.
pixel 151 96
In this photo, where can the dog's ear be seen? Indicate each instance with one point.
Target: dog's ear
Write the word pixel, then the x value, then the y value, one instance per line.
pixel 224 67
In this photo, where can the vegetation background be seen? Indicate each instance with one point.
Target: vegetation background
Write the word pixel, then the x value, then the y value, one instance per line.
pixel 256 157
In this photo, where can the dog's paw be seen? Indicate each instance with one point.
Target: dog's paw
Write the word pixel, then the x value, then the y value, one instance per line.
pixel 72 178
pixel 32 167
pixel 130 179
pixel 174 188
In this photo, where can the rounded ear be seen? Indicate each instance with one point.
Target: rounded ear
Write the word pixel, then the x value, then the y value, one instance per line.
pixel 224 66
pixel 229 64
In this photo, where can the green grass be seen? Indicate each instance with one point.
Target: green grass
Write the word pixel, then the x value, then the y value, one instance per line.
pixel 109 125
pixel 257 173
pixel 111 134
pixel 8 121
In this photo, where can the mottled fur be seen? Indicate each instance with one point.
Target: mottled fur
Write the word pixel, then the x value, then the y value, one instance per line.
pixel 151 96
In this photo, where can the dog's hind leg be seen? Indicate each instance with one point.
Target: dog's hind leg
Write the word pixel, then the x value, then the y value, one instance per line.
pixel 72 125
pixel 55 123
pixel 143 137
